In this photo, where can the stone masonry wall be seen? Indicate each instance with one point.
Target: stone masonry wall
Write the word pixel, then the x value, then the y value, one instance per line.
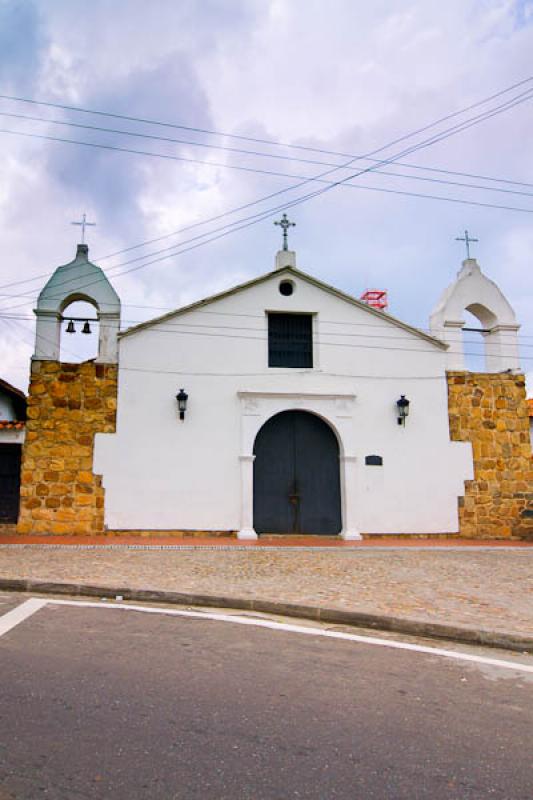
pixel 67 405
pixel 490 411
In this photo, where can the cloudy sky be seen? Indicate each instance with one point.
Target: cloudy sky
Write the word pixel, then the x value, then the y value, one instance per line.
pixel 338 79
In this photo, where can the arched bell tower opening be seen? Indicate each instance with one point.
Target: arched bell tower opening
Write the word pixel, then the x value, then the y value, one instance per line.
pixel 80 331
pixel 473 343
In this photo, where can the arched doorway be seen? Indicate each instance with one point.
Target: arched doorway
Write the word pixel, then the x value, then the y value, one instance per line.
pixel 296 476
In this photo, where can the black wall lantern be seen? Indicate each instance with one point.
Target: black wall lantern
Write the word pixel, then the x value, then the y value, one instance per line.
pixel 403 409
pixel 182 398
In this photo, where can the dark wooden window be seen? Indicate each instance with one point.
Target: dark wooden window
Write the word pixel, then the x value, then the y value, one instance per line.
pixel 290 340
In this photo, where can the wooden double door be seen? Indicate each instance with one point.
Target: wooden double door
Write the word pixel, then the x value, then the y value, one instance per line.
pixel 296 476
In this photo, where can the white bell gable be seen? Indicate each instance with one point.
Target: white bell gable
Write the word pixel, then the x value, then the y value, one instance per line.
pixel 80 279
pixel 472 291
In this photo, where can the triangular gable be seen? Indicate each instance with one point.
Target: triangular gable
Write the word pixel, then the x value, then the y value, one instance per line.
pixel 298 274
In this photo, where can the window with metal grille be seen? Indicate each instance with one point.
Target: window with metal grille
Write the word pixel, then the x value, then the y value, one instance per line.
pixel 290 340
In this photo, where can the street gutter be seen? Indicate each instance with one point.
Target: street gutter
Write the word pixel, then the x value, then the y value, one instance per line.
pixel 356 619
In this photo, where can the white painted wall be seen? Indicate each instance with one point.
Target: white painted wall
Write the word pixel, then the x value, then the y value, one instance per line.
pixel 160 473
pixel 12 436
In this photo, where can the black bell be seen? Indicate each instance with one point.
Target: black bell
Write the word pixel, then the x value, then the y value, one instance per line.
pixel 70 327
pixel 86 327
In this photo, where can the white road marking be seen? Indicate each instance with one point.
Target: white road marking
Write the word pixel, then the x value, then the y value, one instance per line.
pixel 29 607
pixel 301 629
pixel 20 613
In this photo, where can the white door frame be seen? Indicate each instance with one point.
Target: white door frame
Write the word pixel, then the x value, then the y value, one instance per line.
pixel 335 409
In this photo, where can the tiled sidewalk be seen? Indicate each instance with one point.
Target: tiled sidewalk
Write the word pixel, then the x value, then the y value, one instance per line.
pixel 487 588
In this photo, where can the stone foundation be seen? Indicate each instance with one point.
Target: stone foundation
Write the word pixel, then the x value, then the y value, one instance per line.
pixel 67 405
pixel 490 411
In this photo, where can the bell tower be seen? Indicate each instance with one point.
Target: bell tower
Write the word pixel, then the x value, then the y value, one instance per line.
pixel 472 291
pixel 67 405
pixel 489 408
pixel 80 279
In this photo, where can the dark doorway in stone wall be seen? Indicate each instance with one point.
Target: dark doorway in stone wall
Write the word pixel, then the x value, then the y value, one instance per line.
pixel 10 456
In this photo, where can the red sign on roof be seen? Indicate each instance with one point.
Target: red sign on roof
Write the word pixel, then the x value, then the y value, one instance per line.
pixel 377 298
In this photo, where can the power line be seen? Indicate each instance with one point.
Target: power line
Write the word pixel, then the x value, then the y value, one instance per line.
pixel 167 326
pixel 220 233
pixel 174 327
pixel 223 336
pixel 261 374
pixel 385 190
pixel 523 97
pixel 462 126
pixel 260 154
pixel 283 375
pixel 171 250
pixel 205 131
pixel 445 134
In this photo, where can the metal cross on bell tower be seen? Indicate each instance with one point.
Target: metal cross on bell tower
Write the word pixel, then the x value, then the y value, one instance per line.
pixel 83 224
pixel 466 239
pixel 285 224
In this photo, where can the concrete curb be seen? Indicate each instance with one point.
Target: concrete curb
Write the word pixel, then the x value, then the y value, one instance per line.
pixel 357 619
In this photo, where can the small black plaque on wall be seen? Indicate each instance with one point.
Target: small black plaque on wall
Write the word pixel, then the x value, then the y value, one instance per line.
pixel 374 461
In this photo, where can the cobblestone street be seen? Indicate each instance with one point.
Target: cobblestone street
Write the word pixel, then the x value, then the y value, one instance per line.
pixel 483 588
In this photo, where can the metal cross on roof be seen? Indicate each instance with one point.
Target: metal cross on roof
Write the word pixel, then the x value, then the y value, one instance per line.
pixel 84 224
pixel 285 224
pixel 466 239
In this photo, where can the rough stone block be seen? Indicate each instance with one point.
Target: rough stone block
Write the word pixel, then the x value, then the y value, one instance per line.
pixel 33 502
pixel 52 502
pixel 84 500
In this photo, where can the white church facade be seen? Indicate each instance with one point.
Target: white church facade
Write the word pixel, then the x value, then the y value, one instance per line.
pixel 281 406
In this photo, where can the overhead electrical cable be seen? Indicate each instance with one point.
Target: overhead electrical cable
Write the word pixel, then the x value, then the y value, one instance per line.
pixel 388 348
pixel 420 145
pixel 172 250
pixel 220 331
pixel 313 162
pixel 444 134
pixel 363 187
pixel 206 131
pixel 169 326
pixel 246 374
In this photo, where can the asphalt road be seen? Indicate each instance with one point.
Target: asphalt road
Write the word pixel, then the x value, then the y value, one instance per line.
pixel 99 703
